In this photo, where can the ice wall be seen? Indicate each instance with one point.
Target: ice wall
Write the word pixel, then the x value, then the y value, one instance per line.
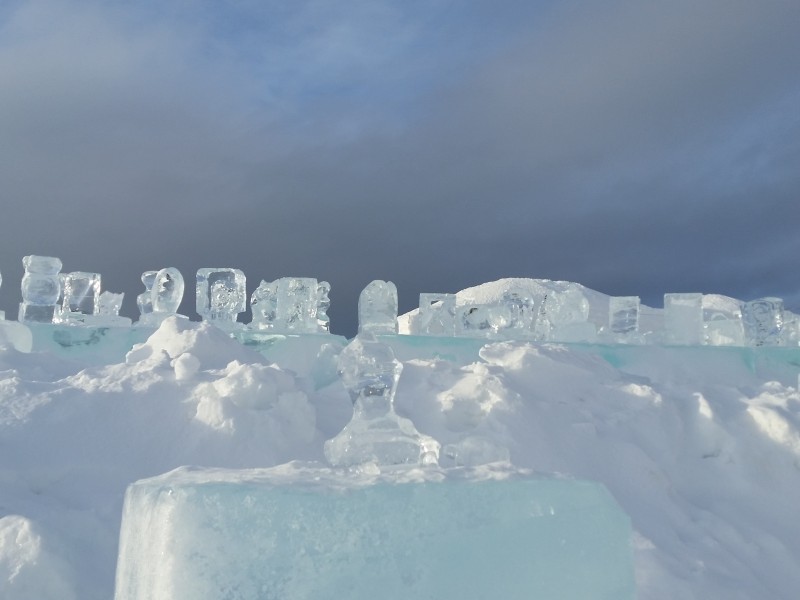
pixel 300 531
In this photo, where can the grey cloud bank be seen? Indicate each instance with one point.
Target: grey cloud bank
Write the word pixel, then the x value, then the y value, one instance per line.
pixel 637 149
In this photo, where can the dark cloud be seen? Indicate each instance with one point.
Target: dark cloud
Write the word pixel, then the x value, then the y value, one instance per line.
pixel 634 148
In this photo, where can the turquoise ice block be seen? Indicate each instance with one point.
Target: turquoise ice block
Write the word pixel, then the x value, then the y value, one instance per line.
pixel 304 532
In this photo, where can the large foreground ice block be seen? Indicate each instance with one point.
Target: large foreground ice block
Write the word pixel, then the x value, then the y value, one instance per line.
pixel 304 532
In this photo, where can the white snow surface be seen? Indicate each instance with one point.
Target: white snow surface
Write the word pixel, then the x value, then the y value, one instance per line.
pixel 700 446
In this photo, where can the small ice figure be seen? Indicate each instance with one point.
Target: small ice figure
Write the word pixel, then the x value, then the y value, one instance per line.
pixel 167 291
pixel 437 314
pixel 221 295
pixel 264 304
pixel 80 293
pixel 162 296
pixel 763 321
pixel 41 287
pixel 323 304
pixel 108 304
pixel 376 434
pixel 623 314
pixel 683 319
pixel 377 308
pixel 145 300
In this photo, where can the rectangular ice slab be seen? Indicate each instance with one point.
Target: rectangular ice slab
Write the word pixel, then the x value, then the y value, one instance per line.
pixel 305 532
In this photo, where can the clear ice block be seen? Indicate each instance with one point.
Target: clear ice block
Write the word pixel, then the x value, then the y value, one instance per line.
pixel 264 305
pixel 221 295
pixel 476 320
pixel 41 288
pixel 109 303
pixel 683 319
pixel 377 308
pixel 763 321
pixel 376 434
pixel 623 314
pixel 437 315
pixel 291 305
pixel 297 304
pixel 167 291
pixel 298 532
pixel 80 294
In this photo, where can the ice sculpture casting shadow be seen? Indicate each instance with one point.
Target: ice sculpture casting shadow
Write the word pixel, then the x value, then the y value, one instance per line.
pixel 376 434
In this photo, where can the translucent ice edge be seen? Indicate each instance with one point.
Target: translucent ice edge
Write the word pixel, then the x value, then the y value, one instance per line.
pixel 317 476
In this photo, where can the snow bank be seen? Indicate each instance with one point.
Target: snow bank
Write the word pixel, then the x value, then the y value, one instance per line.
pixel 699 446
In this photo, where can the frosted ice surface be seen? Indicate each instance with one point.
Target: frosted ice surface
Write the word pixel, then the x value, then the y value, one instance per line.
pixel 167 291
pixel 683 319
pixel 40 288
pixel 763 321
pixel 377 308
pixel 437 314
pixel 623 314
pixel 375 434
pixel 296 531
pixel 221 295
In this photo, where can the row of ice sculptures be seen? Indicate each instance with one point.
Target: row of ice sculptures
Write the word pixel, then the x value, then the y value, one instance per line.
pixel 541 311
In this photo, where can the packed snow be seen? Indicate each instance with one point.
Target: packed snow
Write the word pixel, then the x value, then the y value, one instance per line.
pixel 700 446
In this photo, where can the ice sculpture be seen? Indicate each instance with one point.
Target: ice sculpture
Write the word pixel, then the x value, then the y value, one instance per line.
pixel 221 296
pixel 683 319
pixel 291 305
pixel 476 320
pixel 564 317
pixel 167 292
pixel 145 300
pixel 516 315
pixel 297 304
pixel 377 308
pixel 108 304
pixel 162 296
pixel 437 314
pixel 763 321
pixel 80 292
pixel 264 304
pixel 376 434
pixel 41 288
pixel 623 315
pixel 722 321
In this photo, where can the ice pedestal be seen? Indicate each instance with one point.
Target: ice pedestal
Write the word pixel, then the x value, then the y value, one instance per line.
pixel 301 531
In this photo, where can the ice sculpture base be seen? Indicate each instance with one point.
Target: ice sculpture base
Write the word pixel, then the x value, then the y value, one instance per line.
pixel 305 531
pixel 91 345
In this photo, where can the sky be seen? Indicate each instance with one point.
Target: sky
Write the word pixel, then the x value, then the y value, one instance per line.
pixel 638 148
